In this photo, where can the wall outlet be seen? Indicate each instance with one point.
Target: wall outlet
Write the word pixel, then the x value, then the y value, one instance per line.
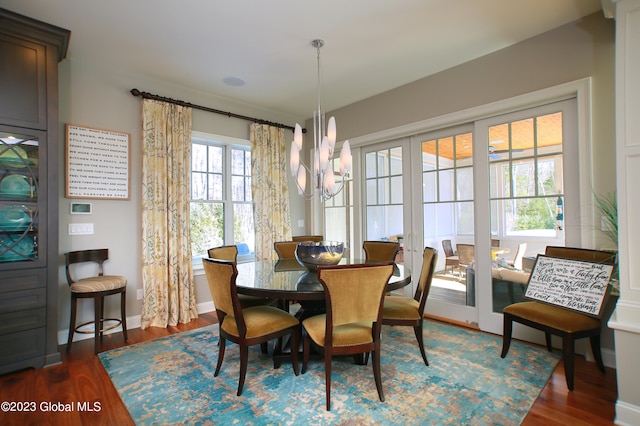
pixel 140 294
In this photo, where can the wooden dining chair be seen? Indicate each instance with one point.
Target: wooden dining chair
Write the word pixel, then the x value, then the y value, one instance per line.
pixel 314 238
pixel 407 311
pixel 230 252
pixel 380 251
pixel 466 254
pixel 553 320
pixel 451 259
pixel 286 249
pixel 249 326
pixel 353 319
pixel 96 286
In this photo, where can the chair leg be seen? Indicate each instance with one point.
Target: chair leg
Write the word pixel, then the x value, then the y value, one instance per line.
pixel 295 347
pixel 306 347
pixel 222 344
pixel 97 307
pixel 597 355
pixel 375 360
pixel 327 377
pixel 123 313
pixel 418 332
pixel 569 362
pixel 547 338
pixel 72 321
pixel 244 360
pixel 506 334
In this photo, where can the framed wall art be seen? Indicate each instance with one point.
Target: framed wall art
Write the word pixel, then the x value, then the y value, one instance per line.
pixel 97 163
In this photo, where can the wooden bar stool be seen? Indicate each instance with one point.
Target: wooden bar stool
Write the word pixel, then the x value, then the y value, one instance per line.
pixel 96 287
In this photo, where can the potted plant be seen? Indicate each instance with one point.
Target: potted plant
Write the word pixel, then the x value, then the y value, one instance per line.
pixel 607 206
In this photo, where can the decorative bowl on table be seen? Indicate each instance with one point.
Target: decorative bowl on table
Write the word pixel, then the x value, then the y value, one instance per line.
pixel 312 254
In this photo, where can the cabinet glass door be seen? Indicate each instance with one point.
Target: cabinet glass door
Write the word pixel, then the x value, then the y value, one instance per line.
pixel 20 186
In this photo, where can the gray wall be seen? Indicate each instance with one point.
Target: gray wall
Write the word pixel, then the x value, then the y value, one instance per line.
pixel 98 97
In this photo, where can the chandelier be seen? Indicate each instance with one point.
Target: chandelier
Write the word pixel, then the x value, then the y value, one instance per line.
pixel 323 174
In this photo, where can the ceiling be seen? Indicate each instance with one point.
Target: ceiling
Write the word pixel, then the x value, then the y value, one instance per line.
pixel 371 46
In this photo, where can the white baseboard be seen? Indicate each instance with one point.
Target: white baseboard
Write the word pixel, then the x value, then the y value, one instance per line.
pixel 132 322
pixel 627 414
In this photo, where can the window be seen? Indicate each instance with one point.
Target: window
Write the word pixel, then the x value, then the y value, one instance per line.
pixel 526 181
pixel 221 210
pixel 447 176
pixel 338 212
pixel 383 194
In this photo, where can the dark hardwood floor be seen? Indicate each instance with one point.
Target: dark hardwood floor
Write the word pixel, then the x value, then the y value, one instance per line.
pixel 80 379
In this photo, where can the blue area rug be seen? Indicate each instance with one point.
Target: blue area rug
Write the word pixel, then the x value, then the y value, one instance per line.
pixel 170 381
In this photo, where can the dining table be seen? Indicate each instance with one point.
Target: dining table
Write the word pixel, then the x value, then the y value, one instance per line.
pixel 288 281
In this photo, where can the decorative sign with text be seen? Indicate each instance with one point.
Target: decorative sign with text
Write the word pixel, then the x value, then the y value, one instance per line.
pixel 97 163
pixel 573 284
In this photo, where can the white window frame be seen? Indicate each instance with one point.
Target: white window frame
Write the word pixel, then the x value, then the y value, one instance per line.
pixel 228 143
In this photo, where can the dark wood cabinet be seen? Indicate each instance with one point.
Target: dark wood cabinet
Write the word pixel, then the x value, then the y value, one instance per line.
pixel 29 130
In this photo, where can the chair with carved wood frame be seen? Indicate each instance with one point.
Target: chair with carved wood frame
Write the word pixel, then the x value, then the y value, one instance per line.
pixel 553 320
pixel 314 238
pixel 245 326
pixel 407 311
pixel 353 295
pixel 286 249
pixel 381 251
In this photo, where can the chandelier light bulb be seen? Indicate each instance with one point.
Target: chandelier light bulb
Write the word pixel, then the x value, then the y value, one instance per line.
pixel 294 159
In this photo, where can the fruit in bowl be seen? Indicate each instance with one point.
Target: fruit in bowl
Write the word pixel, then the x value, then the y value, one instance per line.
pixel 312 254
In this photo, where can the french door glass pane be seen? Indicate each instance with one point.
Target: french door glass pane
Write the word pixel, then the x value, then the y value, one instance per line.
pixel 429 187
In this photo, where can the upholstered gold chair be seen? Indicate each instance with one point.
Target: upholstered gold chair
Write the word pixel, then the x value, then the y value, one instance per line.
pixel 224 253
pixel 407 311
pixel 553 320
pixel 352 323
pixel 451 259
pixel 381 251
pixel 286 249
pixel 230 252
pixel 314 238
pixel 249 326
pixel 95 287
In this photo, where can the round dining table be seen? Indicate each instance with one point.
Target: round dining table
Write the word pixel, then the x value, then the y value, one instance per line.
pixel 286 279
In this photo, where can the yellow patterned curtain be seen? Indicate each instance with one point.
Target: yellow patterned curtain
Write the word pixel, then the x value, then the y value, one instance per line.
pixel 272 219
pixel 167 273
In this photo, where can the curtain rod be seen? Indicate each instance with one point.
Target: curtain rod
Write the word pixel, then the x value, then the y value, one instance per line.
pixel 147 95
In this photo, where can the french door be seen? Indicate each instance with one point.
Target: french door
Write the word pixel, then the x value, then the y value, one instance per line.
pixel 386 197
pixel 487 188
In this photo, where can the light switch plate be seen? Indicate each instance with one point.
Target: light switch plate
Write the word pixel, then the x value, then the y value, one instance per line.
pixel 81 229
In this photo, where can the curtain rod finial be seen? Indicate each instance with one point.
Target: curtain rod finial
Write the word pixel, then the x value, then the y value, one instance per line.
pixel 135 92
